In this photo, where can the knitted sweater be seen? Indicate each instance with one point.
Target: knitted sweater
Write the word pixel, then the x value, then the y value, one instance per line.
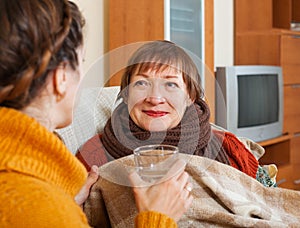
pixel 39 178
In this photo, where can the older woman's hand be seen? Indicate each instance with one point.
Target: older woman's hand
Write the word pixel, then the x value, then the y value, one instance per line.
pixel 83 194
pixel 170 197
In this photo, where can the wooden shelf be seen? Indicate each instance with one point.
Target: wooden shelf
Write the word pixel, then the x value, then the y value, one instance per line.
pixel 277 151
pixel 275 140
pixel 267 38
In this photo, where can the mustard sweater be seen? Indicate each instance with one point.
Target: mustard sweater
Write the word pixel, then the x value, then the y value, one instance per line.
pixel 39 178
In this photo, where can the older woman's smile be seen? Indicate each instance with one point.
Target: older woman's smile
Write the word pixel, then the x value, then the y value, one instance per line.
pixel 153 113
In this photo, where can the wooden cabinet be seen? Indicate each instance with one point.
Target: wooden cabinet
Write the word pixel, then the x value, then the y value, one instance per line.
pixel 285 176
pixel 254 48
pixel 129 22
pixel 285 153
pixel 255 16
pixel 143 20
pixel 265 38
pixel 295 158
pixel 289 173
pixel 285 12
pixel 291 108
pixel 271 47
pixel 277 151
pixel 289 58
pixel 133 21
pixel 290 62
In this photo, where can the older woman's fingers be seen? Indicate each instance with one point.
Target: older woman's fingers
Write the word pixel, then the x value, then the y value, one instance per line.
pixel 183 180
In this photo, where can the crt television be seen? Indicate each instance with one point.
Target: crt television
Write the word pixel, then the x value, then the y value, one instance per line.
pixel 249 101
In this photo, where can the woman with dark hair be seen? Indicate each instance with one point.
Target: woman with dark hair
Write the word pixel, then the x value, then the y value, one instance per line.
pixel 41 46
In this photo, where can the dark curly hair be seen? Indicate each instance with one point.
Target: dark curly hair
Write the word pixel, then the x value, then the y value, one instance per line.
pixel 35 37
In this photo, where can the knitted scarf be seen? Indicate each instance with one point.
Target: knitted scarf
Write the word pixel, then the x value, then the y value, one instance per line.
pixel 193 135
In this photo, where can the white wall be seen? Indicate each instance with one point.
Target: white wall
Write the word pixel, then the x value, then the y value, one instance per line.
pixel 223 33
pixel 96 30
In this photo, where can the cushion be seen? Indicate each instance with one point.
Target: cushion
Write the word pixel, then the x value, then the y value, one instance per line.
pixel 94 108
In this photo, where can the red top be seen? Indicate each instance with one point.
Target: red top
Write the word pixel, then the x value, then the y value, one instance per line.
pixel 93 153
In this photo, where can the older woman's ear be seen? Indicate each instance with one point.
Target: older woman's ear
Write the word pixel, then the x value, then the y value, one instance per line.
pixel 189 101
pixel 124 95
pixel 125 99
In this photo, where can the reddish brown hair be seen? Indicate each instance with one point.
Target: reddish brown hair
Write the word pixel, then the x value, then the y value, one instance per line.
pixel 159 55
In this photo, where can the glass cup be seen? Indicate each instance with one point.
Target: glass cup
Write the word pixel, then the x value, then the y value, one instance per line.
pixel 154 161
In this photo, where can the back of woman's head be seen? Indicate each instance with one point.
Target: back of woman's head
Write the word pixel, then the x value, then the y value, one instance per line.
pixel 36 36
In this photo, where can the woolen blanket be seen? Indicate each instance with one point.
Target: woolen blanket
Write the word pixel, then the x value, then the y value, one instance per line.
pixel 223 197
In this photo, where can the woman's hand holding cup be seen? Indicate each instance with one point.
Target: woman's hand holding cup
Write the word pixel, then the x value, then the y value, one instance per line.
pixel 170 195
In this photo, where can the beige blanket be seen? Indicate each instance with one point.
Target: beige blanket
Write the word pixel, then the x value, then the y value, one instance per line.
pixel 223 197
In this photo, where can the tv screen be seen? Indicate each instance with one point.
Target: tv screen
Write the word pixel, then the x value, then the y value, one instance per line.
pixel 249 101
pixel 258 102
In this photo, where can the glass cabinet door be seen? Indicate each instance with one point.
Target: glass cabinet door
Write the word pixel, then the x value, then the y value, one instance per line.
pixel 184 24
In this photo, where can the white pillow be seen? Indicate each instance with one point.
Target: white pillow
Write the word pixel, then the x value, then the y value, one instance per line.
pixel 94 108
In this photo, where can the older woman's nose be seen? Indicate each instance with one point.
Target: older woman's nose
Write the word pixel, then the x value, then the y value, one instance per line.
pixel 155 93
pixel 155 100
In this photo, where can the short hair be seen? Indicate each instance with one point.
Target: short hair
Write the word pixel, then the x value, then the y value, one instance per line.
pixel 160 55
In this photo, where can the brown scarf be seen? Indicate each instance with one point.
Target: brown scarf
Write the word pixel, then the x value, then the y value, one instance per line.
pixel 193 135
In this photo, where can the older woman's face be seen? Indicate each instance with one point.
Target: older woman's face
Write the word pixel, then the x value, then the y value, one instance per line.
pixel 157 100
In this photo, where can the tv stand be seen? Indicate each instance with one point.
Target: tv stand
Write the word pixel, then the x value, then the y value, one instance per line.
pixel 278 151
pixel 272 141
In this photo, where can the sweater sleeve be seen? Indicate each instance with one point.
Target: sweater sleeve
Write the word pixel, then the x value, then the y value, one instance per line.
pixel 240 157
pixel 149 219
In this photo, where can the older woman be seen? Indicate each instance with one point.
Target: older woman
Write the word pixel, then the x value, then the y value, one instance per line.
pixel 162 102
pixel 41 46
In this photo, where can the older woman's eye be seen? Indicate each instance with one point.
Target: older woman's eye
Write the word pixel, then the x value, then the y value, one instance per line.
pixel 172 85
pixel 141 83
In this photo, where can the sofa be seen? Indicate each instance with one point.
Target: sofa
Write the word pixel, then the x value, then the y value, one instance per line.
pixel 92 109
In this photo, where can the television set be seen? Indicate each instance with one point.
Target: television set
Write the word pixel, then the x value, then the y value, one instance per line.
pixel 249 101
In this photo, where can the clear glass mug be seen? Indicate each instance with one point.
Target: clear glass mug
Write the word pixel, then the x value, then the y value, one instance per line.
pixel 154 161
